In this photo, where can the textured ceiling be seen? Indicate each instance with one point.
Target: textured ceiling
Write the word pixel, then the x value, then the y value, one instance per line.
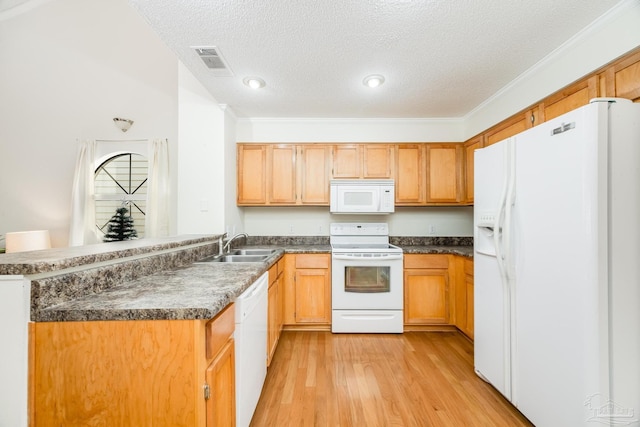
pixel 440 58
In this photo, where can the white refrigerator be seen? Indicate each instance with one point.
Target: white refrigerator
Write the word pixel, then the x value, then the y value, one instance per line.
pixel 557 267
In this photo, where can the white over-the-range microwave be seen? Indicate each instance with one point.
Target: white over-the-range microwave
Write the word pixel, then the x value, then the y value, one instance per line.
pixel 363 196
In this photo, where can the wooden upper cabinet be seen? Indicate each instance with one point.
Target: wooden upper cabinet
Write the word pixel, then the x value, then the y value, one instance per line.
pixel 409 174
pixel 444 173
pixel 570 98
pixel 252 174
pixel 377 161
pixel 469 151
pixel 362 161
pixel 314 174
pixel 346 161
pixel 623 78
pixel 513 126
pixel 282 174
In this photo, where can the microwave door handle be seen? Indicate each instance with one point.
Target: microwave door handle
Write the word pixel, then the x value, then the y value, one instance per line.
pixel 377 201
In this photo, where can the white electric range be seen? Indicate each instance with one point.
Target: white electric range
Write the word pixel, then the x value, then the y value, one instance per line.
pixel 366 279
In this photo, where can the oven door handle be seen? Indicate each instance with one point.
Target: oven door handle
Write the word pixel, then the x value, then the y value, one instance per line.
pixel 384 257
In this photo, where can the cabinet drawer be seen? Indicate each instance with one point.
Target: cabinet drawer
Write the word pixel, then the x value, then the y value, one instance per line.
pixel 426 261
pixel 313 261
pixel 219 329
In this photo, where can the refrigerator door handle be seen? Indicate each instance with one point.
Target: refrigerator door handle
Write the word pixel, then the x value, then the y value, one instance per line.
pixel 508 209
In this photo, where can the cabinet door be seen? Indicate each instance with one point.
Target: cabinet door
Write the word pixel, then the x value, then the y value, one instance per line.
pixel 468 327
pixel 252 174
pixel 426 289
pixel 313 296
pixel 469 149
pixel 272 318
pixel 220 376
pixel 346 161
pixel 377 161
pixel 570 98
pixel 623 78
pixel 282 173
pixel 427 296
pixel 409 174
pixel 314 174
pixel 512 126
pixel 444 173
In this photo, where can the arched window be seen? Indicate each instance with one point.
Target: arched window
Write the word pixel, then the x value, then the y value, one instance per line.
pixel 121 180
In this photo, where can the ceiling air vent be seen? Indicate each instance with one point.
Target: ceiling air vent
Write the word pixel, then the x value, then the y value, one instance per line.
pixel 212 58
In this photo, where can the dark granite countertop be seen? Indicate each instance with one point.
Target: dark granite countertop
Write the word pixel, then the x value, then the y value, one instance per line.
pixel 465 251
pixel 198 290
pixel 56 259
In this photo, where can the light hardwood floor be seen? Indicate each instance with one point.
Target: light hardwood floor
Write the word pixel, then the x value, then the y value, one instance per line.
pixel 411 379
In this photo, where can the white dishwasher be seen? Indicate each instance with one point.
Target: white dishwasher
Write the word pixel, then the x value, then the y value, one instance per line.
pixel 251 348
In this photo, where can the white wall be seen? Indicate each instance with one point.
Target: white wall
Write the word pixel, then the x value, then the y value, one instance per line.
pixel 201 161
pixel 234 216
pixel 68 68
pixel 314 221
pixel 349 130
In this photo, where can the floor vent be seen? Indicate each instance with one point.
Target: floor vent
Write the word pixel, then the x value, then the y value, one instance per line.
pixel 212 58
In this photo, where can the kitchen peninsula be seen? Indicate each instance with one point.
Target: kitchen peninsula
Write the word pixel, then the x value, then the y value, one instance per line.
pixel 140 318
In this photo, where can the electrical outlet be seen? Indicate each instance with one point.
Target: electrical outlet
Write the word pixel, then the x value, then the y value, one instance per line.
pixel 290 228
pixel 320 230
pixel 432 229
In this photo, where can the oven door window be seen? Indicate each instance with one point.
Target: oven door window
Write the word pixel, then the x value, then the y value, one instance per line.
pixel 366 279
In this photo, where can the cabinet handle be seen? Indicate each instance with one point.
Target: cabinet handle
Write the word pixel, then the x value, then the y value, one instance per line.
pixel 207 391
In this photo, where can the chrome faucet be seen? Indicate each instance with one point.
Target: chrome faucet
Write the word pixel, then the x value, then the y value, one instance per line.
pixel 225 248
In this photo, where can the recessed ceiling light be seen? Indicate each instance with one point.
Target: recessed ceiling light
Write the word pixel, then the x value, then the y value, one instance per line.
pixel 254 82
pixel 373 80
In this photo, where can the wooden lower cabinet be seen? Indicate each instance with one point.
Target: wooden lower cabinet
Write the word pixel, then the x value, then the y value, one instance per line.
pixel 464 292
pixel 426 289
pixel 221 401
pixel 133 373
pixel 307 299
pixel 438 292
pixel 274 308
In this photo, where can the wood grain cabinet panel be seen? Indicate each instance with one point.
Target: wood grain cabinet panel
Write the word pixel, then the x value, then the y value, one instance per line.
pixel 131 373
pixel 220 378
pixel 282 174
pixel 346 161
pixel 426 289
pixel 377 161
pixel 570 98
pixel 307 291
pixel 469 151
pixel 314 174
pixel 410 167
pixel 275 306
pixel 444 173
pixel 252 174
pixel 623 78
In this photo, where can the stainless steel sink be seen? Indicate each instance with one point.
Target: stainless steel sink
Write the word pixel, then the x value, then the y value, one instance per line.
pixel 255 251
pixel 235 258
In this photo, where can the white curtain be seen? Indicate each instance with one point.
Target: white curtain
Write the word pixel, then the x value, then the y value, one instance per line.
pixel 157 215
pixel 83 211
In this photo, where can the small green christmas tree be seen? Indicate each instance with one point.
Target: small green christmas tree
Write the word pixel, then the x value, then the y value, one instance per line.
pixel 120 227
